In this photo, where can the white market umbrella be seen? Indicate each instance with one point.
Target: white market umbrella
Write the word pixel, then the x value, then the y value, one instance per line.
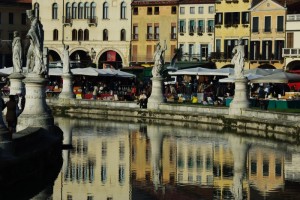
pixel 260 71
pixel 280 77
pixel 6 70
pixel 56 71
pixel 230 79
pixel 88 71
pixel 192 71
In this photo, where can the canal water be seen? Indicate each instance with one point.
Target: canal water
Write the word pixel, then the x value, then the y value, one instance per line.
pixel 115 160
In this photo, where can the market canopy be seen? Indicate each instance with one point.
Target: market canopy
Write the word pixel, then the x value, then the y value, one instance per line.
pixel 280 77
pixel 231 79
pixel 89 71
pixel 260 71
pixel 204 71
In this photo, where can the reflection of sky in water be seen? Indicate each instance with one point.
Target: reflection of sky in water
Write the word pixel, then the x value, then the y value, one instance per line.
pixel 117 160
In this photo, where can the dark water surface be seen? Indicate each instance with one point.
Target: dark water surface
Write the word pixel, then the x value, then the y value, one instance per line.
pixel 126 160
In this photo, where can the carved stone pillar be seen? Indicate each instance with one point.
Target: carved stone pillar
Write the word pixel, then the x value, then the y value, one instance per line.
pixel 36 112
pixel 67 90
pixel 156 97
pixel 240 100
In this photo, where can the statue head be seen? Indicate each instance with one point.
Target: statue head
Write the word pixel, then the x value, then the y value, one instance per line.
pixel 16 34
pixel 29 14
pixel 240 41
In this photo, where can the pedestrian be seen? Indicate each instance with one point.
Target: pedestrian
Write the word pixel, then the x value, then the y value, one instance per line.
pixel 11 114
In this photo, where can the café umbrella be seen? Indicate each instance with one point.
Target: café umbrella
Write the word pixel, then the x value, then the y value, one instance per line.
pixel 280 77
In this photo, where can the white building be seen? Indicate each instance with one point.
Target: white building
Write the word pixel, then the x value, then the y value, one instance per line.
pixel 196 29
pixel 97 32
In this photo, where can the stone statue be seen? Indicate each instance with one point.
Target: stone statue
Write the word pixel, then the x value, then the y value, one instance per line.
pixel 17 53
pixel 35 63
pixel 158 60
pixel 238 59
pixel 66 60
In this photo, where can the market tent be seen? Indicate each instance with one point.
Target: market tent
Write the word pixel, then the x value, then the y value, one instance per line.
pixel 204 71
pixel 230 79
pixel 56 71
pixel 88 71
pixel 6 70
pixel 260 71
pixel 280 77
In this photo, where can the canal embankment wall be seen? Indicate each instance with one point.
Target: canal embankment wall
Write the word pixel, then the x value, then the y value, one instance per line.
pixel 249 119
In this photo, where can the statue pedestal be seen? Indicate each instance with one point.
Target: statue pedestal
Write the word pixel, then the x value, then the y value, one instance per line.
pixel 240 100
pixel 16 84
pixel 36 113
pixel 67 90
pixel 156 95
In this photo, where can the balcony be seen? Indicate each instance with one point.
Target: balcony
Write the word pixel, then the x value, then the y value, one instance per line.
pixel 200 30
pixel 92 21
pixel 293 17
pixel 135 37
pixel 210 29
pixel 156 36
pixel 67 21
pixel 291 52
pixel 191 30
pixel 149 36
pixel 181 30
pixel 173 36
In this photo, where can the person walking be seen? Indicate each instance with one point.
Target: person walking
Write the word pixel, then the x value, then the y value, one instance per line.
pixel 11 114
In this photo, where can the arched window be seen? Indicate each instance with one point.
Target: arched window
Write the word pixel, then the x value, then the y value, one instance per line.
pixel 80 35
pixel 105 10
pixel 74 10
pixel 105 35
pixel 55 34
pixel 80 11
pixel 93 10
pixel 68 11
pixel 54 11
pixel 123 35
pixel 86 10
pixel 37 10
pixel 74 35
pixel 86 35
pixel 123 10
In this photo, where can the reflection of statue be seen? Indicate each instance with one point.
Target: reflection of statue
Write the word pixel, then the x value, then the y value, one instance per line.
pixel 17 53
pixel 66 60
pixel 238 59
pixel 158 60
pixel 35 51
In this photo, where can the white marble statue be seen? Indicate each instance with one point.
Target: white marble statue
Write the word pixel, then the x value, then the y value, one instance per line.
pixel 66 60
pixel 17 53
pixel 158 59
pixel 35 63
pixel 238 59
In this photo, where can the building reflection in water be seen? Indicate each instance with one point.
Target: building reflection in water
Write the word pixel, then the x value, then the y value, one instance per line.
pixel 115 160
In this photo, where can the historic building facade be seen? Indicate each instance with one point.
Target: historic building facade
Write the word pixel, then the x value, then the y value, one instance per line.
pixel 196 29
pixel 267 34
pixel 12 18
pixel 152 22
pixel 291 52
pixel 232 21
pixel 97 32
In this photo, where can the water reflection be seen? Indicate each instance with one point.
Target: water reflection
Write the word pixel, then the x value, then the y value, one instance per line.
pixel 119 160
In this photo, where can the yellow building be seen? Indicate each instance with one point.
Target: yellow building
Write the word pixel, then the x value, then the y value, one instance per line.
pixel 232 21
pixel 12 18
pixel 196 29
pixel 152 22
pixel 97 32
pixel 266 170
pixel 97 168
pixel 267 34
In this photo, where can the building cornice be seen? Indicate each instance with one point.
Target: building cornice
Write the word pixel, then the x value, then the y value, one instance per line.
pixel 154 2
